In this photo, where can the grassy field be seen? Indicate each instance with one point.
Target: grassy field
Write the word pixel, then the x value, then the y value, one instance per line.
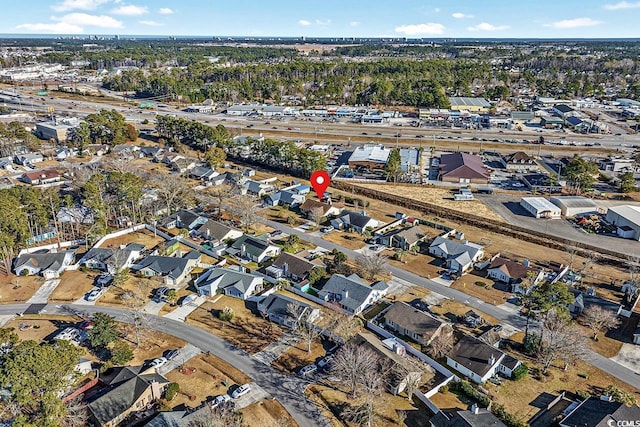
pixel 347 239
pixel 297 356
pixel 268 412
pixel 491 292
pixel 18 288
pixel 74 284
pixel 420 264
pixel 143 237
pixel 247 331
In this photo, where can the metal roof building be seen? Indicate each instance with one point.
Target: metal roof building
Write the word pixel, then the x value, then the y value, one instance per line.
pixel 574 205
pixel 540 207
pixel 627 220
pixel 469 104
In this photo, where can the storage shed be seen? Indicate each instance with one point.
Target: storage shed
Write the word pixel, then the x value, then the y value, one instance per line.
pixel 540 207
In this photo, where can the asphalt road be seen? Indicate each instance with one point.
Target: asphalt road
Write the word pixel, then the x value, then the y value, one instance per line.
pixel 288 390
pixel 506 317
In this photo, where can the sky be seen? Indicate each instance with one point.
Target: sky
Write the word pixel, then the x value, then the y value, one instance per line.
pixel 326 18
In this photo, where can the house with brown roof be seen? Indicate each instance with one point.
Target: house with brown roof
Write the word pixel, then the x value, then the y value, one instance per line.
pixel 508 271
pixel 296 267
pixel 421 327
pixel 404 238
pixel 45 176
pixel 310 205
pixel 519 161
pixel 462 168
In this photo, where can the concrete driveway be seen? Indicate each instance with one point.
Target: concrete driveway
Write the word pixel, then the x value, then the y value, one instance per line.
pixel 182 312
pixel 256 394
pixel 629 356
pixel 44 292
pixel 187 353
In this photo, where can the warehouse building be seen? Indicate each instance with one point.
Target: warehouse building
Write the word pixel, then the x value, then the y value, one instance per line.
pixel 474 105
pixel 540 207
pixel 627 220
pixel 369 157
pixel 571 206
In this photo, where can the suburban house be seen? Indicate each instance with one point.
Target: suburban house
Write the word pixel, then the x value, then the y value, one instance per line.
pixel 511 272
pixel 219 179
pixel 173 270
pixel 601 411
pixel 404 238
pixel 45 176
pixel 459 256
pixel 28 159
pixel 462 168
pixel 182 165
pixel 49 265
pixel 287 311
pixel 112 260
pixel 202 173
pixel 256 188
pixel 473 319
pixel 254 248
pixel 183 219
pixel 351 293
pixel 421 327
pixel 217 232
pixel 393 353
pixel 125 390
pixel 475 417
pixel 309 205
pixel 357 221
pixel 295 267
pixel 76 215
pixel 285 198
pixel 519 161
pixel 229 282
pixel 636 334
pixel 479 361
pixel 155 153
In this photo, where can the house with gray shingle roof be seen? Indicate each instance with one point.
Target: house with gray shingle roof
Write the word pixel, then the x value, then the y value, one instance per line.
pixel 112 260
pixel 217 232
pixel 459 256
pixel 255 248
pixel 276 307
pixel 49 264
pixel 416 324
pixel 229 282
pixel 295 267
pixel 353 220
pixel 173 269
pixel 404 238
pixel 352 293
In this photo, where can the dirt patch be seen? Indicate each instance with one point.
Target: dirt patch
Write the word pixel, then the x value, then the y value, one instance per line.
pixel 267 412
pixel 246 330
pixel 202 377
pixel 297 356
pixel 143 237
pixel 449 401
pixel 18 288
pixel 347 239
pixel 39 329
pixel 438 196
pixel 74 284
pixel 152 343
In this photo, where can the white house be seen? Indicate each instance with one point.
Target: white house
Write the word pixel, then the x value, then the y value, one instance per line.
pixel 49 265
pixel 173 270
pixel 254 248
pixel 354 220
pixel 459 256
pixel 479 361
pixel 287 311
pixel 351 293
pixel 229 282
pixel 112 260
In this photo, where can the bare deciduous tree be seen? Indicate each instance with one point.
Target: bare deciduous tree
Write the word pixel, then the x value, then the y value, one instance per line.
pixel 316 215
pixel 372 264
pixel 222 416
pixel 441 345
pixel 245 208
pixel 351 363
pixel 77 413
pixel 341 327
pixel 560 339
pixel 220 194
pixel 173 190
pixel 305 330
pixel 599 320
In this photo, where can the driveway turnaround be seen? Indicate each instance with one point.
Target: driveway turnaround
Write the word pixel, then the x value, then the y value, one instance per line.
pixel 287 389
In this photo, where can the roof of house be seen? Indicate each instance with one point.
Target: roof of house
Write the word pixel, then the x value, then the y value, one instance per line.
pixel 511 268
pixel 410 234
pixel 286 196
pixel 462 165
pixel 202 172
pixel 296 264
pixel 254 245
pixel 483 418
pixel 563 108
pixel 226 278
pixel 42 261
pixel 463 253
pixel 519 157
pixel 594 412
pixel 310 204
pixel 412 319
pixel 170 419
pixel 215 230
pixel 125 386
pixel 474 355
pixel 173 267
pixel 355 219
pixel 278 304
pixel 42 174
pixel 358 291
pixel 116 256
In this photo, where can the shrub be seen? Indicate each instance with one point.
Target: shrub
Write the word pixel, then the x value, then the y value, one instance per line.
pixel 466 389
pixel 226 314
pixel 520 372
pixel 531 344
pixel 583 395
pixel 444 389
pixel 121 352
pixel 480 283
pixel 509 419
pixel 172 389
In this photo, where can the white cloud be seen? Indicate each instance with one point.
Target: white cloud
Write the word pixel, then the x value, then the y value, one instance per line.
pixel 57 28
pixel 429 28
pixel 354 23
pixel 485 26
pixel 436 10
pixel 165 11
pixel 304 23
pixel 323 23
pixel 574 23
pixel 85 19
pixel 130 10
pixel 460 15
pixel 622 5
pixel 68 5
pixel 151 23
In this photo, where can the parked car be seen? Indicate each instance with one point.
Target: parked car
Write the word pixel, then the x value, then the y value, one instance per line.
pixel 327 229
pixel 325 362
pixel 94 294
pixel 104 280
pixel 158 362
pixel 85 324
pixel 220 400
pixel 497 328
pixel 309 369
pixel 171 354
pixel 188 299
pixel 241 391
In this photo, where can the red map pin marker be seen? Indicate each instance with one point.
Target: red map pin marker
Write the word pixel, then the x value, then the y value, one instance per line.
pixel 320 182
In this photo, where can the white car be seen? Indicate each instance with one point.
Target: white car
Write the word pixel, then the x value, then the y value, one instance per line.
pixel 188 299
pixel 309 369
pixel 219 400
pixel 95 294
pixel 241 391
pixel 326 361
pixel 158 362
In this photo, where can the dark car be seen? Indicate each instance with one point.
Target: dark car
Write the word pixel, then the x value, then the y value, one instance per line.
pixel 85 324
pixel 171 354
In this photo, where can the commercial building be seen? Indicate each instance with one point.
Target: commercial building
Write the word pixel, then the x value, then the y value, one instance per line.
pixel 369 157
pixel 574 205
pixel 627 219
pixel 56 129
pixel 462 168
pixel 460 103
pixel 540 207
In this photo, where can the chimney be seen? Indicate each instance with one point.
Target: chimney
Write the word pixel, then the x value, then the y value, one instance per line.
pixel 285 267
pixel 491 360
pixel 344 294
pixel 243 250
pixel 475 409
pixel 525 262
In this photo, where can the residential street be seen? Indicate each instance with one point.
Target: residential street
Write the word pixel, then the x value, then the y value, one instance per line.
pixel 507 317
pixel 288 390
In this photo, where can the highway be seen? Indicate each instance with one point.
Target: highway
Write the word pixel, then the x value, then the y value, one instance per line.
pixel 506 317
pixel 287 389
